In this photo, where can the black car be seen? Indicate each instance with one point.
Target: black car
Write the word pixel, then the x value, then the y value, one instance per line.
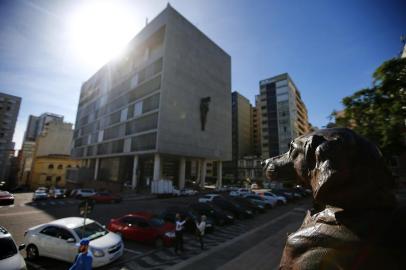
pixel 219 216
pixel 238 210
pixel 256 208
pixel 189 215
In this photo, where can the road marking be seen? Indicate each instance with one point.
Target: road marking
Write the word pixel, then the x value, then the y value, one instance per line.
pixel 133 251
pixel 20 213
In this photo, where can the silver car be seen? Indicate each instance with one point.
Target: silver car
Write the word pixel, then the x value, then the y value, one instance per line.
pixel 10 257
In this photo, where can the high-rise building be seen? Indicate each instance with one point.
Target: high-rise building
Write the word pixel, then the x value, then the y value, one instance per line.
pixel 9 108
pixel 283 114
pixel 159 110
pixel 241 126
pixel 256 128
pixel 36 124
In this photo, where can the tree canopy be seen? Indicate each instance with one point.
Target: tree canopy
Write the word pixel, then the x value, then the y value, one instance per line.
pixel 379 112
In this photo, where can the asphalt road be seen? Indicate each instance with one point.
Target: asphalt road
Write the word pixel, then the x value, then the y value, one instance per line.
pixel 25 214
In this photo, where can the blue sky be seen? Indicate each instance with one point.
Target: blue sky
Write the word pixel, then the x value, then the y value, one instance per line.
pixel 330 48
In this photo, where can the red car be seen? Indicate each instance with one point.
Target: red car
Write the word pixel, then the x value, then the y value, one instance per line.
pixel 106 197
pixel 144 227
pixel 6 198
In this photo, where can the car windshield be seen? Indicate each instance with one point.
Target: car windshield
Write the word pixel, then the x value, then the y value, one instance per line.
pixel 7 248
pixel 91 231
pixel 156 221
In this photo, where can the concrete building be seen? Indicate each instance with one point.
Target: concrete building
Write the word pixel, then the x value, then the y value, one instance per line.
pixel 256 128
pixel 283 114
pixel 9 108
pixel 36 125
pixel 158 111
pixel 51 156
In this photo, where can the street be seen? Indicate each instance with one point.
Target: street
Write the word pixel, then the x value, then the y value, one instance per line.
pixel 25 214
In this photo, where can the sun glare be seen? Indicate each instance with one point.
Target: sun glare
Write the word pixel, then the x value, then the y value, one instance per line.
pixel 100 30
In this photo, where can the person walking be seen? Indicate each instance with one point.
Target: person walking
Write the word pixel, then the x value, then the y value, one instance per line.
pixel 84 259
pixel 179 226
pixel 201 227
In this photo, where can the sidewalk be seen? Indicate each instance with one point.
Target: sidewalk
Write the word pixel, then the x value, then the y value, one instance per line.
pixel 260 248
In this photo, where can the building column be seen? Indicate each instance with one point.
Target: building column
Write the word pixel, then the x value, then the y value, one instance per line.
pixel 134 179
pixel 157 167
pixel 219 183
pixel 203 173
pixel 96 169
pixel 198 180
pixel 182 168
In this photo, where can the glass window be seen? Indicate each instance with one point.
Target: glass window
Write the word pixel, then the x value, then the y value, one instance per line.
pixel 50 166
pixel 143 142
pixel 64 234
pixel 51 231
pixel 142 124
pixel 60 167
pixel 7 248
pixel 91 231
pixel 49 178
pixel 138 108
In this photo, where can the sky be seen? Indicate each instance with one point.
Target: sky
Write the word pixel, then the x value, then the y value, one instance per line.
pixel 329 48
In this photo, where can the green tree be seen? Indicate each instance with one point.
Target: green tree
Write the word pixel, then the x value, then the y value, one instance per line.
pixel 379 112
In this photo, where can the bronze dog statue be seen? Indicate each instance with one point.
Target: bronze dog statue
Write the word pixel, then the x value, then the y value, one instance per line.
pixel 355 223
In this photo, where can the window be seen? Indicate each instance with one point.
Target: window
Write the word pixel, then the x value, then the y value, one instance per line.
pixel 49 178
pixel 7 248
pixel 50 166
pixel 64 234
pixel 60 167
pixel 138 108
pixel 58 178
pixel 69 166
pixel 51 231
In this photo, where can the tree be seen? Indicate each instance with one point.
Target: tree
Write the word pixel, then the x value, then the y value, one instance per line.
pixel 379 112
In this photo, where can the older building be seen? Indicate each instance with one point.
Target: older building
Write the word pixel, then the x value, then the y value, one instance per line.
pixel 51 157
pixel 159 110
pixel 36 125
pixel 9 108
pixel 283 114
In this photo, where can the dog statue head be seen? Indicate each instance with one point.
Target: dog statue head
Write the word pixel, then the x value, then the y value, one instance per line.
pixel 342 168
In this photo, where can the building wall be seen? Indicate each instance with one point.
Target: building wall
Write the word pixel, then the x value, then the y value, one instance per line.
pixel 9 108
pixel 50 171
pixel 56 139
pixel 194 68
pixel 283 114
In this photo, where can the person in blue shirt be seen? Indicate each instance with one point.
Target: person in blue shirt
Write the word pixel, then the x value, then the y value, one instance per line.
pixel 84 259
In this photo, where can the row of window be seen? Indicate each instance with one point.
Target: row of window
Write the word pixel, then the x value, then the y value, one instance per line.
pixel 50 178
pixel 60 166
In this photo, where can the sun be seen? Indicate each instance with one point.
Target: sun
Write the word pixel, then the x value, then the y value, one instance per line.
pixel 100 30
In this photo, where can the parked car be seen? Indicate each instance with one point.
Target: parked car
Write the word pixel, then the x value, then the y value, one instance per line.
pixel 254 207
pixel 144 227
pixel 43 189
pixel 270 202
pixel 56 193
pixel 219 216
pixel 208 198
pixel 189 215
pixel 240 192
pixel 39 195
pixel 10 257
pixel 106 197
pixel 238 210
pixel 59 240
pixel 267 194
pixel 84 193
pixel 188 192
pixel 6 198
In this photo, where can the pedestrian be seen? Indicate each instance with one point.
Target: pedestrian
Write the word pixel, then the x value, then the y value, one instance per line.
pixel 179 226
pixel 84 259
pixel 201 227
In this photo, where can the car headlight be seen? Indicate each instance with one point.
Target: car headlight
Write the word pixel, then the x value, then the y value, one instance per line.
pixel 97 252
pixel 249 212
pixel 170 234
pixel 230 217
pixel 260 206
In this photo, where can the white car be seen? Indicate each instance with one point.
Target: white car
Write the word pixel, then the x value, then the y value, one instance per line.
pixel 268 194
pixel 60 238
pixel 208 198
pixel 10 257
pixel 240 192
pixel 42 189
pixel 56 193
pixel 39 195
pixel 188 192
pixel 85 192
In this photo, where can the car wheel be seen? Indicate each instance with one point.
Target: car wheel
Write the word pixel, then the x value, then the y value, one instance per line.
pixel 32 252
pixel 159 243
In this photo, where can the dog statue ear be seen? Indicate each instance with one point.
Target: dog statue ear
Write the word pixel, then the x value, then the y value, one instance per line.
pixel 329 158
pixel 310 148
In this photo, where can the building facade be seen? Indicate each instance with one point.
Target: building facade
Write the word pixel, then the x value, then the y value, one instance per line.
pixel 51 157
pixel 160 110
pixel 9 108
pixel 36 125
pixel 283 114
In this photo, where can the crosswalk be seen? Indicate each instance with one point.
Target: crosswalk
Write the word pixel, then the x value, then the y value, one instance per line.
pixel 166 257
pixel 50 203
